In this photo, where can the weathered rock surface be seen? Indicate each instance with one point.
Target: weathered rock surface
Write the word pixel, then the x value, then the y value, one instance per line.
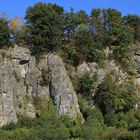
pixel 94 69
pixel 137 65
pixel 7 81
pixel 20 77
pixel 62 89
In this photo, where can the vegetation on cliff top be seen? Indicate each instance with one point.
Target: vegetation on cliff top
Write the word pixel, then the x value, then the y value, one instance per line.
pixel 75 35
pixel 78 37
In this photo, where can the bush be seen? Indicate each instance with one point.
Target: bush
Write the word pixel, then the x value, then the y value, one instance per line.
pixel 86 85
pixel 17 134
pixel 45 78
pixel 114 98
pixel 45 108
pixel 26 122
pixel 84 106
pixel 71 56
pixel 53 129
pixel 10 126
pixel 127 136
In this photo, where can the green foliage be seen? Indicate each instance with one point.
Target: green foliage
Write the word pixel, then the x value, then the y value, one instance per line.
pixel 6 55
pixel 123 120
pixel 111 97
pixel 119 34
pixel 95 118
pixel 84 106
pixel 71 21
pixel 86 85
pixel 48 126
pixel 113 32
pixel 89 46
pixel 44 107
pixel 52 129
pixel 45 78
pixel 17 134
pixel 127 136
pixel 134 22
pixel 71 56
pixel 83 46
pixel 45 25
pixel 4 33
pixel 81 37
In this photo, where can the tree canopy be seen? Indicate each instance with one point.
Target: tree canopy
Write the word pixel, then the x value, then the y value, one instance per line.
pixel 45 23
pixel 4 32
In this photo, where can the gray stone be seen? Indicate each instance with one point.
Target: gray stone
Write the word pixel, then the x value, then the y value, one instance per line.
pixel 83 69
pixel 93 66
pixel 21 53
pixel 100 75
pixel 7 80
pixel 62 89
pixel 20 77
pixel 121 76
pixel 137 53
pixel 137 62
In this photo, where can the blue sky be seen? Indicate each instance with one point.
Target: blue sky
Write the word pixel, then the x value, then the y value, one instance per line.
pixel 18 7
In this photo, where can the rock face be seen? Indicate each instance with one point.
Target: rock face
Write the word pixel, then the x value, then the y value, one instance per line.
pixel 137 61
pixel 137 65
pixel 94 69
pixel 62 89
pixel 7 81
pixel 20 77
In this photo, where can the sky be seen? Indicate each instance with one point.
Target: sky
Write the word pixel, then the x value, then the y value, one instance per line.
pixel 18 7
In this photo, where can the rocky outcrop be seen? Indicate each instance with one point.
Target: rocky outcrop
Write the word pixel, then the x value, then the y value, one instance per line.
pixel 137 61
pixel 137 65
pixel 20 78
pixel 62 89
pixel 94 69
pixel 7 83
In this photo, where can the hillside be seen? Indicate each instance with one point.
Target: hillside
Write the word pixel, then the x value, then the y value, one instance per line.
pixel 69 75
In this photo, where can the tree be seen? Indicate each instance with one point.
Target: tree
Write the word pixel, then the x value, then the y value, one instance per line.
pixel 70 24
pixel 119 34
pixel 45 27
pixel 15 24
pixel 87 43
pixel 110 28
pixel 72 20
pixel 82 17
pixel 4 32
pixel 18 31
pixel 134 22
pixel 96 21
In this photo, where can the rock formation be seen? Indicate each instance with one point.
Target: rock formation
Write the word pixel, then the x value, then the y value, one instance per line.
pixel 20 77
pixel 62 89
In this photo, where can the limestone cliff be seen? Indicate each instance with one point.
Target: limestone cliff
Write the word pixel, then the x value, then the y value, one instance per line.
pixel 21 80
